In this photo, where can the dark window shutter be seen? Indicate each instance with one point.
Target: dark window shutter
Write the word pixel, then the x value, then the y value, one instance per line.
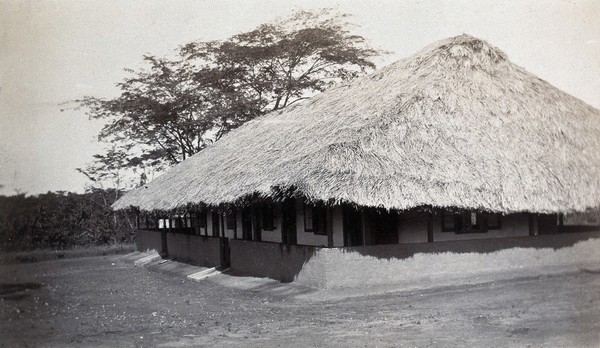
pixel 458 223
pixel 448 221
pixel 482 222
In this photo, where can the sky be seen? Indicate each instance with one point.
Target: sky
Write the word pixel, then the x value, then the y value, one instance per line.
pixel 53 52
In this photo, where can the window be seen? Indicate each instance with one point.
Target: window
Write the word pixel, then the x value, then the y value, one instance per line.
pixel 473 222
pixel 181 223
pixel 469 222
pixel 267 218
pixel 191 221
pixel 473 218
pixel 230 221
pixel 187 220
pixel 163 223
pixel 315 219
pixel 202 219
pixel 448 221
pixel 151 222
pixel 146 222
pixel 176 223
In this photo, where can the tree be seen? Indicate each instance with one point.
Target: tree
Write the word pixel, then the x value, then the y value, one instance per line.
pixel 179 106
pixel 280 63
pixel 158 119
pixel 108 169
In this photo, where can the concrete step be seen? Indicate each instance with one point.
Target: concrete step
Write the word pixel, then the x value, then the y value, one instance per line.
pixel 153 256
pixel 207 273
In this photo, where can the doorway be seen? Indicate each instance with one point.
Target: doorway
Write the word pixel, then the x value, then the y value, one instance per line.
pixel 247 223
pixel 353 230
pixel 216 226
pixel 385 226
pixel 288 228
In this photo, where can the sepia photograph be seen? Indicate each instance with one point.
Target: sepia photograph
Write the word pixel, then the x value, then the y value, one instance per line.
pixel 334 173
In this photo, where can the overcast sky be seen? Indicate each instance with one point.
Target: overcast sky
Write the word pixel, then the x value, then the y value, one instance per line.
pixel 55 51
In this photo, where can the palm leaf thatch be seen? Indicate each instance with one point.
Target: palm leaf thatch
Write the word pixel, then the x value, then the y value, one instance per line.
pixel 455 125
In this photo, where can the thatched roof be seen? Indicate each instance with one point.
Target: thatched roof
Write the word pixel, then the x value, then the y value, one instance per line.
pixel 455 125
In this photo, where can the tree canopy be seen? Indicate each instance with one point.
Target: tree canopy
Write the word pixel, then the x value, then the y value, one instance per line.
pixel 178 106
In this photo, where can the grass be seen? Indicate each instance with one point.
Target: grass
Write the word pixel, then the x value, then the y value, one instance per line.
pixel 77 252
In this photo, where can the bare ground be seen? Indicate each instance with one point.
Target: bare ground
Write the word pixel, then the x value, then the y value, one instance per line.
pixel 102 301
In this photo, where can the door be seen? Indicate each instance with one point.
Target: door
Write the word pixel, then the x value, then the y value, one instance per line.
pixel 247 223
pixel 256 216
pixel 353 231
pixel 386 227
pixel 164 250
pixel 216 226
pixel 288 228
pixel 225 252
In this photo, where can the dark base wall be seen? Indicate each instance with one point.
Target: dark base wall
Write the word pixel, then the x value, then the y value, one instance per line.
pixel 196 250
pixel 402 251
pixel 272 260
pixel 147 240
pixel 283 262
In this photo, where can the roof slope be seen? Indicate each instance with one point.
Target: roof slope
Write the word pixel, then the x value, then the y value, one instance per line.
pixel 456 124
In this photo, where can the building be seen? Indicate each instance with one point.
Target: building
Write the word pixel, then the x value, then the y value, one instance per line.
pixel 452 143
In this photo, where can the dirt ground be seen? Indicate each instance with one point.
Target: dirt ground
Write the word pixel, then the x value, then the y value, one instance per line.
pixel 103 301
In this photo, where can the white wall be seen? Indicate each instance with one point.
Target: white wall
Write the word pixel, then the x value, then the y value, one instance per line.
pixel 512 225
pixel 412 228
pixel 338 226
pixel 304 238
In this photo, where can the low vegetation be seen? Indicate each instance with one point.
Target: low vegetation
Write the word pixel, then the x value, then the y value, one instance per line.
pixel 76 252
pixel 63 220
